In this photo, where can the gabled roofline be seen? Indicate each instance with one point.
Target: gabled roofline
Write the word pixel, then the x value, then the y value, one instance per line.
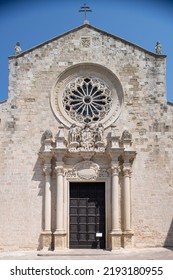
pixel 3 101
pixel 91 27
pixel 170 103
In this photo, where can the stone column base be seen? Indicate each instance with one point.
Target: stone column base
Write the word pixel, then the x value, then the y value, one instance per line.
pixel 59 240
pixel 128 239
pixel 116 240
pixel 46 240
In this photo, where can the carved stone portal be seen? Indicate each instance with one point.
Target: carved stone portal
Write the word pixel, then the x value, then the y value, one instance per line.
pixel 61 156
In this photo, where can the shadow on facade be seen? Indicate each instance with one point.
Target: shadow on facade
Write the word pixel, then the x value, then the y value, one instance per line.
pixel 169 239
pixel 39 177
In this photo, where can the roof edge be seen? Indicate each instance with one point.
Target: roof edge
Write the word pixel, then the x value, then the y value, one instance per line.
pixel 94 28
pixel 2 102
pixel 170 103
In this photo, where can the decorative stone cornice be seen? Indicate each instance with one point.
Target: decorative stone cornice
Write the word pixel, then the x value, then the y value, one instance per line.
pixel 115 153
pixel 59 154
pixel 129 156
pixel 46 156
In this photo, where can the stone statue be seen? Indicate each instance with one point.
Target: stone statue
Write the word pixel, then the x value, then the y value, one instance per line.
pixel 17 48
pixel 126 135
pixel 74 133
pixel 47 134
pixel 158 48
pixel 87 137
pixel 99 132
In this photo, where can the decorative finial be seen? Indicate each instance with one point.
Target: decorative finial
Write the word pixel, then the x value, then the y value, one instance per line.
pixel 158 48
pixel 17 48
pixel 85 9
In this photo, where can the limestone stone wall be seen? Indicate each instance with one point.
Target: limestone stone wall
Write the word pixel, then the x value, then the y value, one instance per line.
pixel 27 114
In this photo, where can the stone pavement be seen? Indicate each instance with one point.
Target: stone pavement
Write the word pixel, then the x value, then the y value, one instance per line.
pixel 93 254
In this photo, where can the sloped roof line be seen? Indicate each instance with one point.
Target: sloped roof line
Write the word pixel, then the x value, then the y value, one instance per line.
pixel 91 27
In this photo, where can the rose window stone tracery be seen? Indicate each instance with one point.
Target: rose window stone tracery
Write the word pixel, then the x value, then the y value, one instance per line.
pixel 87 99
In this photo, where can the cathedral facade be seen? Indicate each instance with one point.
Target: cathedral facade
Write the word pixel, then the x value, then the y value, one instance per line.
pixel 86 145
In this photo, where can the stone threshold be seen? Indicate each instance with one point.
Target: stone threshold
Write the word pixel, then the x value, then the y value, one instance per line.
pixel 79 252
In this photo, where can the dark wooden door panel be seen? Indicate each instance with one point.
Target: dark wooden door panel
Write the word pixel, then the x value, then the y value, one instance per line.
pixel 87 215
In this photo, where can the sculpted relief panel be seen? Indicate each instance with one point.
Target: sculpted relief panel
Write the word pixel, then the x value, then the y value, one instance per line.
pixel 86 138
pixel 87 170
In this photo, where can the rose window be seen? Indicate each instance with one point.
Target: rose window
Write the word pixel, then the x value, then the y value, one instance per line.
pixel 87 99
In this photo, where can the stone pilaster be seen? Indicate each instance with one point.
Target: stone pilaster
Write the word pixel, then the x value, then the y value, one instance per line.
pixel 47 197
pixel 46 235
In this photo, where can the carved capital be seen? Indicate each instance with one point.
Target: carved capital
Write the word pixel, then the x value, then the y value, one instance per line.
pixel 127 170
pixel 47 169
pixel 115 170
pixel 59 170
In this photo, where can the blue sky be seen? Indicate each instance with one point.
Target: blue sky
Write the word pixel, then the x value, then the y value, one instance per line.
pixel 142 22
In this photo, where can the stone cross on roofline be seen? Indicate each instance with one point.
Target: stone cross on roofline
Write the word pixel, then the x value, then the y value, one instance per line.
pixel 85 9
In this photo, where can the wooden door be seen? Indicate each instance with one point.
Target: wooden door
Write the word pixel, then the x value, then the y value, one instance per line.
pixel 87 215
